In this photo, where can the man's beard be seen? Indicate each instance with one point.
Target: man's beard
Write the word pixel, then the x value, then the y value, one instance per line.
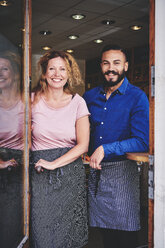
pixel 110 82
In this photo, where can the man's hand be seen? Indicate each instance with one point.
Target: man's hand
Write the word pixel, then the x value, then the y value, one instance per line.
pixel 96 158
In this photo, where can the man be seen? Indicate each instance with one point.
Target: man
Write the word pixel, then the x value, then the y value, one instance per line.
pixel 119 124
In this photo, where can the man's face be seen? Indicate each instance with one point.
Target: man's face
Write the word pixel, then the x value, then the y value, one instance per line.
pixel 113 66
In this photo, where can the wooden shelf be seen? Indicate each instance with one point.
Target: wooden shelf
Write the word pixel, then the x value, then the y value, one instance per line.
pixel 139 157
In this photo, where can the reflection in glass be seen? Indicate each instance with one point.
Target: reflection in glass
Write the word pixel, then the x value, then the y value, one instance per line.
pixel 11 147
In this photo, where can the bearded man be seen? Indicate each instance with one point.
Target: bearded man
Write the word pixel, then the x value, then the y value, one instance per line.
pixel 119 124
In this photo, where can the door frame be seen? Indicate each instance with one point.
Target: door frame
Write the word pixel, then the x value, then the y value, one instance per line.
pixel 26 71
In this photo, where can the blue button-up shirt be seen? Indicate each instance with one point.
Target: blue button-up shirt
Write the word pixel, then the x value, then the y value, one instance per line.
pixel 121 123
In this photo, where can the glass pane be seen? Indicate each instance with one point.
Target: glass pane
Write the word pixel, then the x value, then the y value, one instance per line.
pixel 11 125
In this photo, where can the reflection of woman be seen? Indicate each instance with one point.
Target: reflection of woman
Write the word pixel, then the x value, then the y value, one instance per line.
pixel 60 135
pixel 11 145
pixel 11 108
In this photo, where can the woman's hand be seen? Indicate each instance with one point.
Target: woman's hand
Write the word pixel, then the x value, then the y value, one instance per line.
pixel 44 164
pixel 8 164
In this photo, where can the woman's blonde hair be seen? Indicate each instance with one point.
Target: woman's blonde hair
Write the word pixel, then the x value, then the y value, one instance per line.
pixel 74 75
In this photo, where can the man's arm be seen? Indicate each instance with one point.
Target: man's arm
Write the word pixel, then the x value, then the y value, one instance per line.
pixel 139 137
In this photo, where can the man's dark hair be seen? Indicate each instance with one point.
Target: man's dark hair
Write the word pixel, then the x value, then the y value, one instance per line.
pixel 114 47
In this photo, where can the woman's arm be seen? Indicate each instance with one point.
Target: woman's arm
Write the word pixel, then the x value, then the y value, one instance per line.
pixel 8 163
pixel 82 134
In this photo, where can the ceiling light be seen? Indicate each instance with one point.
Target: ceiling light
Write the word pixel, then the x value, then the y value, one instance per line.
pixel 78 16
pixel 108 22
pixel 69 51
pixel 46 48
pixel 45 32
pixel 136 27
pixel 98 41
pixel 5 3
pixel 73 37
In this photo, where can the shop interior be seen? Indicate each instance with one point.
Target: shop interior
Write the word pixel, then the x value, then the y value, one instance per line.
pixel 83 28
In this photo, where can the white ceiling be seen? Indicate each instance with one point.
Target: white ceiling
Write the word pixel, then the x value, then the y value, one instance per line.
pixel 55 15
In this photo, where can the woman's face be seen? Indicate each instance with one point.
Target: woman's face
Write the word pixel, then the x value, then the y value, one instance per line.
pixel 56 73
pixel 6 73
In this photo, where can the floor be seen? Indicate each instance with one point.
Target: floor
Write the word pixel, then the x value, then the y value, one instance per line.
pixel 95 240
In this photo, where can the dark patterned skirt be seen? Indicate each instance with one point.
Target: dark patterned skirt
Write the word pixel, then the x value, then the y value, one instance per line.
pixel 11 201
pixel 114 200
pixel 58 203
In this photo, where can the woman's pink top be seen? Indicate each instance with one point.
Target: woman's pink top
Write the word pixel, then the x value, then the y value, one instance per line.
pixel 11 126
pixel 54 128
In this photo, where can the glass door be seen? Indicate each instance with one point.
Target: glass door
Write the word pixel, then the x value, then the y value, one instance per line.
pixel 14 122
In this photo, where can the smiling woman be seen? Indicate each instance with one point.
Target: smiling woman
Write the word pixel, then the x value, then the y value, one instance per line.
pixel 60 135
pixel 11 146
pixel 6 73
pixel 56 73
pixel 58 69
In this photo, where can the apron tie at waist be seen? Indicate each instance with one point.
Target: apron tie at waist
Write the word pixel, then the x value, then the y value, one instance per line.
pixel 54 178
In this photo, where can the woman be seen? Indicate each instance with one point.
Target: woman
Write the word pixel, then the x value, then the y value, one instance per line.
pixel 11 146
pixel 60 135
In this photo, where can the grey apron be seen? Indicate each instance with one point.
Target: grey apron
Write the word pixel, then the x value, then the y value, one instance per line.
pixel 58 203
pixel 114 200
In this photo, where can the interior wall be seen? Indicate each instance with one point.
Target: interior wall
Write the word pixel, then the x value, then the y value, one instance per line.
pixel 159 207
